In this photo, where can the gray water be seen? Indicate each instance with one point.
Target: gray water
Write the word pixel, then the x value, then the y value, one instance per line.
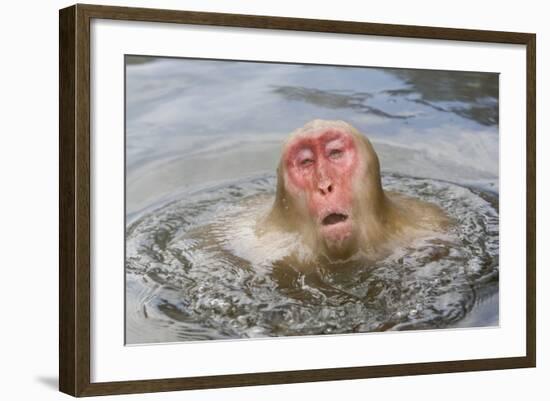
pixel 202 142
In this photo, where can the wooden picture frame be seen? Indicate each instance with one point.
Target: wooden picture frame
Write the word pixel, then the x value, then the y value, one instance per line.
pixel 75 199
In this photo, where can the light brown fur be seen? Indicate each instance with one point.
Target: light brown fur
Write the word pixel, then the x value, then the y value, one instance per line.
pixel 382 220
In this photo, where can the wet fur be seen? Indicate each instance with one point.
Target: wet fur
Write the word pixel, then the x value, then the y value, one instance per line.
pixel 382 220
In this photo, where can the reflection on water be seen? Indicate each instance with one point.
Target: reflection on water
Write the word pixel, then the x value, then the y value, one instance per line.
pixel 335 100
pixel 471 95
pixel 202 142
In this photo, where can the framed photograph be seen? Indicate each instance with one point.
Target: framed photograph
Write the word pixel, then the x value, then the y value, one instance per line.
pixel 251 200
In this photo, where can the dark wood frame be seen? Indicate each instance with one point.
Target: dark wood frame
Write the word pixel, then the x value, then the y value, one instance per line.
pixel 74 199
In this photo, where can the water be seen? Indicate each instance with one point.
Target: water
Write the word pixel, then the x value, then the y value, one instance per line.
pixel 203 140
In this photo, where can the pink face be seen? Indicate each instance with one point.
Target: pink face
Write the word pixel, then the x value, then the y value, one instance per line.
pixel 320 168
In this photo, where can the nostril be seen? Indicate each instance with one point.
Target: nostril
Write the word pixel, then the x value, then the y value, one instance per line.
pixel 325 188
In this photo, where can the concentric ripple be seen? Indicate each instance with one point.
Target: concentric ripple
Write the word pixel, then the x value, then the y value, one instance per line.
pixel 196 271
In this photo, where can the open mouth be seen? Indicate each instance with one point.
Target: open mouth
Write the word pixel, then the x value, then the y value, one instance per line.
pixel 334 218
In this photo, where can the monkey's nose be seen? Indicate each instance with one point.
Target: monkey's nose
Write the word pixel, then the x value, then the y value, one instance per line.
pixel 325 187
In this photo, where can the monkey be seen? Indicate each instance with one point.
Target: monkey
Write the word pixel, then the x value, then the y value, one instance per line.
pixel 329 194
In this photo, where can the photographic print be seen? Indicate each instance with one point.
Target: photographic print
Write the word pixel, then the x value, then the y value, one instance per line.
pixel 274 199
pixel 277 186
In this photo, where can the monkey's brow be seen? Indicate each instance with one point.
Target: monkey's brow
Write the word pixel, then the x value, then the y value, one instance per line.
pixel 335 142
pixel 304 151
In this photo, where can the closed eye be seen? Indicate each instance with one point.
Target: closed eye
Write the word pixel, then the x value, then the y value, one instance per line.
pixel 304 157
pixel 335 153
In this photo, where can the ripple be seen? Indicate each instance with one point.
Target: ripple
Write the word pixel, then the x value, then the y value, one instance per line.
pixel 196 271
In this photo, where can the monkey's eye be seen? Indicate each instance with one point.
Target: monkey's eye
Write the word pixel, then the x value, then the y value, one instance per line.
pixel 335 153
pixel 305 157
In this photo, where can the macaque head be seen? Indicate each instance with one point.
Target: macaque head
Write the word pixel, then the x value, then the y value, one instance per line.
pixel 329 185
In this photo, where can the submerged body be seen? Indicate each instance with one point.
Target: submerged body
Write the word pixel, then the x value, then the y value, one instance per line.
pixel 329 193
pixel 196 269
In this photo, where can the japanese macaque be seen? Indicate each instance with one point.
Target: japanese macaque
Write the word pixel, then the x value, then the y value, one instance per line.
pixel 330 194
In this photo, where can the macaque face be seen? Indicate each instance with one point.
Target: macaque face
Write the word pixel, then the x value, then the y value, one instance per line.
pixel 320 169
